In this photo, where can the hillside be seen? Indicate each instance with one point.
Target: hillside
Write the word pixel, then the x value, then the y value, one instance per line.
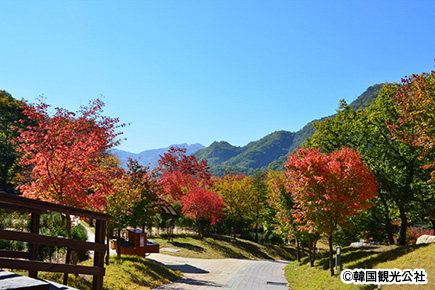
pixel 302 276
pixel 270 151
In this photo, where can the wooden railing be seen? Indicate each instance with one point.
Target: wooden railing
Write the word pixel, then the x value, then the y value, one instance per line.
pixel 11 259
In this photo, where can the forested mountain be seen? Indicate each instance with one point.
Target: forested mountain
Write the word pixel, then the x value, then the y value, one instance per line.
pixel 270 151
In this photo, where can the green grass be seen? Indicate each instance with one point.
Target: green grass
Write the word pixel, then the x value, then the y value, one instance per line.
pixel 125 273
pixel 221 247
pixel 301 276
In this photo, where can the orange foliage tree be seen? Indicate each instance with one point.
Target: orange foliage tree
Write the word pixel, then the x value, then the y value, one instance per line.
pixel 327 188
pixel 416 100
pixel 186 180
pixel 178 172
pixel 65 154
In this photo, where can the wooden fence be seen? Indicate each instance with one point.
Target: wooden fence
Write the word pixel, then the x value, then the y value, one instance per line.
pixel 14 259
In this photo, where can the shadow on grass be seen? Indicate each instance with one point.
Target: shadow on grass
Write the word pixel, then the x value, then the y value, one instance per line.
pixel 226 251
pixel 283 252
pixel 251 248
pixel 387 256
pixel 363 257
pixel 144 272
pixel 188 246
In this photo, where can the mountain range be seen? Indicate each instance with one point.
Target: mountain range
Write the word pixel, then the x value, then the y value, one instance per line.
pixel 150 157
pixel 270 152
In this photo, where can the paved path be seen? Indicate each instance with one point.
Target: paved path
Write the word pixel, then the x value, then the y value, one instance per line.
pixel 240 274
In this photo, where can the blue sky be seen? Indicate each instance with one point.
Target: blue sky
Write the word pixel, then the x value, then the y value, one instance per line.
pixel 204 71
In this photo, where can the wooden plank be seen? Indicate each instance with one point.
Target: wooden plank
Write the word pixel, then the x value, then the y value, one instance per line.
pixel 100 232
pixel 12 281
pixel 51 267
pixel 12 207
pixel 33 204
pixel 33 247
pixel 51 241
pixel 14 254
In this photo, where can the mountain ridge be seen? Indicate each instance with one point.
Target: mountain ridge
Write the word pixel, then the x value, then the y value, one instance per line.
pixel 269 152
pixel 151 157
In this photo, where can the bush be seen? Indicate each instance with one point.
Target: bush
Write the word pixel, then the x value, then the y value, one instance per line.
pixel 12 245
pixel 79 233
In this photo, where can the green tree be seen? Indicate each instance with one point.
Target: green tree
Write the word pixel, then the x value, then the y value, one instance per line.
pixel 281 200
pixel 236 191
pixel 396 164
pixel 259 205
pixel 415 97
pixel 11 112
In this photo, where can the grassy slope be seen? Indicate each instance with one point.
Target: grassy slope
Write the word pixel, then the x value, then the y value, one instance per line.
pixel 220 247
pixel 127 273
pixel 301 276
pixel 131 272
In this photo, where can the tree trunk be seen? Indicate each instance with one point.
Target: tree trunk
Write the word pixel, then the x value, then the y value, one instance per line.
pixel 314 252
pixel 331 255
pixel 234 232
pixel 298 248
pixel 118 243
pixel 389 229
pixel 403 226
pixel 388 225
pixel 310 256
pixel 198 224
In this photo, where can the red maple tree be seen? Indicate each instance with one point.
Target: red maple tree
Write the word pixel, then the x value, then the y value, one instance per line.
pixel 202 204
pixel 327 188
pixel 65 154
pixel 179 172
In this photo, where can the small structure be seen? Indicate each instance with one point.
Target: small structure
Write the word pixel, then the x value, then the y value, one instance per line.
pixel 137 243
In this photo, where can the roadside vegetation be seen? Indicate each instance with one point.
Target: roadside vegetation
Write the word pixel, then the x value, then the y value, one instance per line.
pixel 303 277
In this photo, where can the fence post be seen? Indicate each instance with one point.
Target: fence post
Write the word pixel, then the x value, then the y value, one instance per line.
pixel 100 232
pixel 33 247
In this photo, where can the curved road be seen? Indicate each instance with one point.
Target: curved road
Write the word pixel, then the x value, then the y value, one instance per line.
pixel 202 274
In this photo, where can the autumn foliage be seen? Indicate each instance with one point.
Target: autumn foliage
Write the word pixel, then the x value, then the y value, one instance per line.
pixel 416 99
pixel 187 180
pixel 200 203
pixel 327 188
pixel 65 155
pixel 179 172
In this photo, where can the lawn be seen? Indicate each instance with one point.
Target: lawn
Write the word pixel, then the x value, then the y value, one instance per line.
pixel 125 273
pixel 221 247
pixel 302 277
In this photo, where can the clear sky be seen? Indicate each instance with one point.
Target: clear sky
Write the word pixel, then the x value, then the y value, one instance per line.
pixel 204 71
